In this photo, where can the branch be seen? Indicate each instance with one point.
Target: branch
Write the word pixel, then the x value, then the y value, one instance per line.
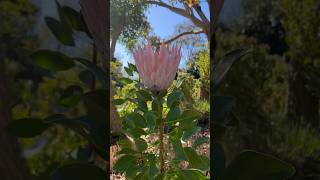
pixel 191 16
pixel 171 8
pixel 179 11
pixel 200 13
pixel 180 35
pixel 217 7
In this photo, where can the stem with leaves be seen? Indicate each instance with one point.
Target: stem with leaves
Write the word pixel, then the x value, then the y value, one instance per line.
pixel 161 130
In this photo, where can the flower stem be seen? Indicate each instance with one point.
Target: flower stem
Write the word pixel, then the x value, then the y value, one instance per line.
pixel 161 130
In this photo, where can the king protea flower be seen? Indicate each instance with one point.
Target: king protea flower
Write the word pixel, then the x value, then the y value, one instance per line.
pixel 157 69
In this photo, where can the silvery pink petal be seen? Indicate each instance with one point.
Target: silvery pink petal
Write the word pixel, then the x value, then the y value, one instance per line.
pixel 153 67
pixel 157 69
pixel 160 81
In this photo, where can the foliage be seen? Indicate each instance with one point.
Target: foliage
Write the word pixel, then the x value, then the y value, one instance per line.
pixel 191 43
pixel 128 18
pixel 202 106
pixel 262 83
pixel 224 118
pixel 294 142
pixel 202 60
pixel 65 104
pixel 139 118
pixel 303 35
pixel 262 87
pixel 70 102
pixel 16 17
pixel 143 122
pixel 17 40
pixel 263 21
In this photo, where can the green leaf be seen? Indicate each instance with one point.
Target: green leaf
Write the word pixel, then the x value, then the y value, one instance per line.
pixel 79 171
pixel 189 133
pixel 251 165
pixel 175 139
pixel 137 132
pixel 124 163
pixel 151 119
pixel 144 95
pixel 78 125
pixel 129 71
pixel 190 115
pixel 118 101
pixel 176 134
pixel 153 170
pixel 143 173
pixel 26 128
pixel 218 161
pixel 133 171
pixel 224 65
pixel 187 119
pixel 142 105
pixel 125 143
pixel 98 72
pixel 179 153
pixel 132 67
pixel 205 163
pixel 87 77
pixel 155 105
pixel 195 160
pixel 127 151
pixel 176 96
pixel 222 107
pixel 141 144
pixel 160 176
pixel 70 101
pixel 71 96
pixel 60 30
pixel 73 89
pixel 125 81
pixel 191 174
pixel 52 60
pixel 137 119
pixel 89 129
pixel 55 118
pixel 73 18
pixel 173 114
pixel 199 141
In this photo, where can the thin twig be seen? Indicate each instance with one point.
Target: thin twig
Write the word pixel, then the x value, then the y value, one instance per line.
pixel 180 35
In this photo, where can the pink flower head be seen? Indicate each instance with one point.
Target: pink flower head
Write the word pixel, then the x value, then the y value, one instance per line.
pixel 157 69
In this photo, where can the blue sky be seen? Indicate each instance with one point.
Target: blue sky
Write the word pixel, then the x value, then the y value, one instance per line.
pixel 163 23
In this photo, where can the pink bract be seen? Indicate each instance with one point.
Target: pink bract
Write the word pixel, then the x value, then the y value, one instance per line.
pixel 157 69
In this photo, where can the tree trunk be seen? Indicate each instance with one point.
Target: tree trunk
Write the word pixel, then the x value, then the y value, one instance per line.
pixel 115 123
pixel 96 17
pixel 114 40
pixel 113 47
pixel 301 104
pixel 12 165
